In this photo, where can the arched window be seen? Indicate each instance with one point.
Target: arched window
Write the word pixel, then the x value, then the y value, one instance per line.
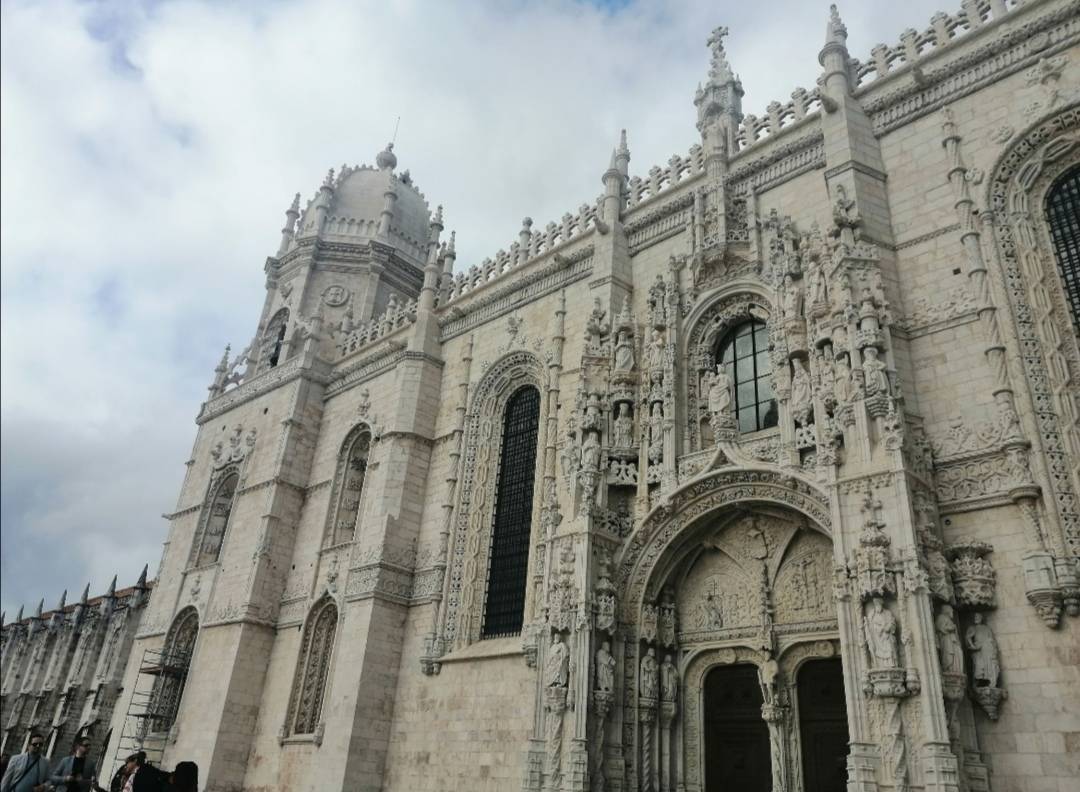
pixel 273 340
pixel 173 668
pixel 216 518
pixel 745 355
pixel 504 608
pixel 1063 216
pixel 313 668
pixel 349 485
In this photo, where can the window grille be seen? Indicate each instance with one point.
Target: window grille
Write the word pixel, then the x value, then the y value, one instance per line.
pixel 1063 215
pixel 349 486
pixel 745 356
pixel 313 669
pixel 216 520
pixel 504 609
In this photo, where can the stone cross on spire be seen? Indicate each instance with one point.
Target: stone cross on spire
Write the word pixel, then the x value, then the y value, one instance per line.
pixel 720 69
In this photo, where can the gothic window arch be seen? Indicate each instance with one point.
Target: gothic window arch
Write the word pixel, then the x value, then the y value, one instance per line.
pixel 508 560
pixel 215 518
pixel 349 479
pixel 176 654
pixel 1063 219
pixel 744 354
pixel 271 348
pixel 313 668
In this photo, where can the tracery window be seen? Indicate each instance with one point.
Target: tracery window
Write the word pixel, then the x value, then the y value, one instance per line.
pixel 744 353
pixel 216 515
pixel 273 340
pixel 173 668
pixel 1063 217
pixel 504 607
pixel 313 668
pixel 349 485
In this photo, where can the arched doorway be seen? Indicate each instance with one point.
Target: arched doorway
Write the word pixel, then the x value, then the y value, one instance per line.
pixel 736 738
pixel 823 729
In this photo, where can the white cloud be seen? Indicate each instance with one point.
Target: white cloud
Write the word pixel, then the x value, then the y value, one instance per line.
pixel 148 152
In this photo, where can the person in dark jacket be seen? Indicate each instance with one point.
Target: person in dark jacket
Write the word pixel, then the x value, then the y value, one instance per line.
pixel 184 778
pixel 75 773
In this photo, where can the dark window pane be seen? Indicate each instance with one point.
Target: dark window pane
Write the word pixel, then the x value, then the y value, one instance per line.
pixel 508 566
pixel 744 346
pixel 771 416
pixel 748 419
pixel 1063 215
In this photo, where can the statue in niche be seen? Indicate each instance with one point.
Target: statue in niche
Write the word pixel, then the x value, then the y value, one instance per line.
pixel 710 615
pixel 669 680
pixel 624 352
pixel 874 374
pixel 656 351
pixel 594 328
pixel 879 627
pixel 557 667
pixel 952 655
pixel 647 687
pixel 590 452
pixel 591 419
pixel 656 432
pixel 985 660
pixel 605 668
pixel 828 378
pixel 624 428
pixel 816 280
pixel 791 300
pixel 720 391
pixel 842 380
pixel 802 392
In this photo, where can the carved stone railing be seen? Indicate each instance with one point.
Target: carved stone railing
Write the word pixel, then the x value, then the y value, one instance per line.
pixel 662 179
pixel 754 130
pixel 944 30
pixel 530 246
pixel 393 318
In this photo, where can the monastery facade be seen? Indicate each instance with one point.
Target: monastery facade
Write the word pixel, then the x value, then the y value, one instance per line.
pixel 759 472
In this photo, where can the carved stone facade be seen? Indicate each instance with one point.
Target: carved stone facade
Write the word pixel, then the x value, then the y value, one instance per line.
pixel 807 418
pixel 63 670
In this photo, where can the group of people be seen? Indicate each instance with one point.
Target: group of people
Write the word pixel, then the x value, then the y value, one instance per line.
pixel 32 772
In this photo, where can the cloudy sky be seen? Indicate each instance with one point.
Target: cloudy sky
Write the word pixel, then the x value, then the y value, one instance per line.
pixel 148 151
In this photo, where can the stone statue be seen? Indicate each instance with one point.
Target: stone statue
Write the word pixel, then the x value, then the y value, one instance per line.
pixel 879 626
pixel 842 381
pixel 828 378
pixel 557 667
pixel 656 429
pixel 647 686
pixel 874 374
pixel 802 392
pixel 656 351
pixel 624 352
pixel 590 452
pixel 792 299
pixel 720 391
pixel 605 668
pixel 952 655
pixel 669 680
pixel 985 661
pixel 624 428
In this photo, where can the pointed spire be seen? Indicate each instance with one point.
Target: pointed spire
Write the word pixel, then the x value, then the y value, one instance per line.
pixel 450 247
pixel 19 616
pixel 141 582
pixel 40 608
pixel 85 594
pixel 622 155
pixel 63 601
pixel 835 31
pixel 719 100
pixel 111 593
pixel 289 229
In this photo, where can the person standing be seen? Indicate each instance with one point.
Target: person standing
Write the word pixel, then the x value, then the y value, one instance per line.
pixel 75 773
pixel 27 772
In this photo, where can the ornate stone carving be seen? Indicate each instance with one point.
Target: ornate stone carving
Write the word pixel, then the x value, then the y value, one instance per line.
pixel 985 665
pixel 879 629
pixel 973 576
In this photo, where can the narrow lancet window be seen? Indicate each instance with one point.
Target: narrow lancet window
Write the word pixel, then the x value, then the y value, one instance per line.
pixel 1063 216
pixel 172 669
pixel 504 608
pixel 313 668
pixel 273 340
pixel 349 486
pixel 744 354
pixel 216 520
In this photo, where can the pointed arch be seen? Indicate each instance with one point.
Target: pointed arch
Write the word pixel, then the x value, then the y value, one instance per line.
pixel 176 655
pixel 217 511
pixel 347 493
pixel 272 344
pixel 470 559
pixel 313 668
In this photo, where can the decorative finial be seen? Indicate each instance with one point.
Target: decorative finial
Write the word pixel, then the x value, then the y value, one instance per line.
pixel 835 31
pixel 40 607
pixel 450 246
pixel 329 180
pixel 437 219
pixel 294 207
pixel 385 159
pixel 112 588
pixel 85 594
pixel 63 601
pixel 19 616
pixel 720 69
pixel 141 582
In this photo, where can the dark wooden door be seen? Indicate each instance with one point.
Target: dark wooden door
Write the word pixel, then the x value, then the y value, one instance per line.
pixel 823 726
pixel 736 738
